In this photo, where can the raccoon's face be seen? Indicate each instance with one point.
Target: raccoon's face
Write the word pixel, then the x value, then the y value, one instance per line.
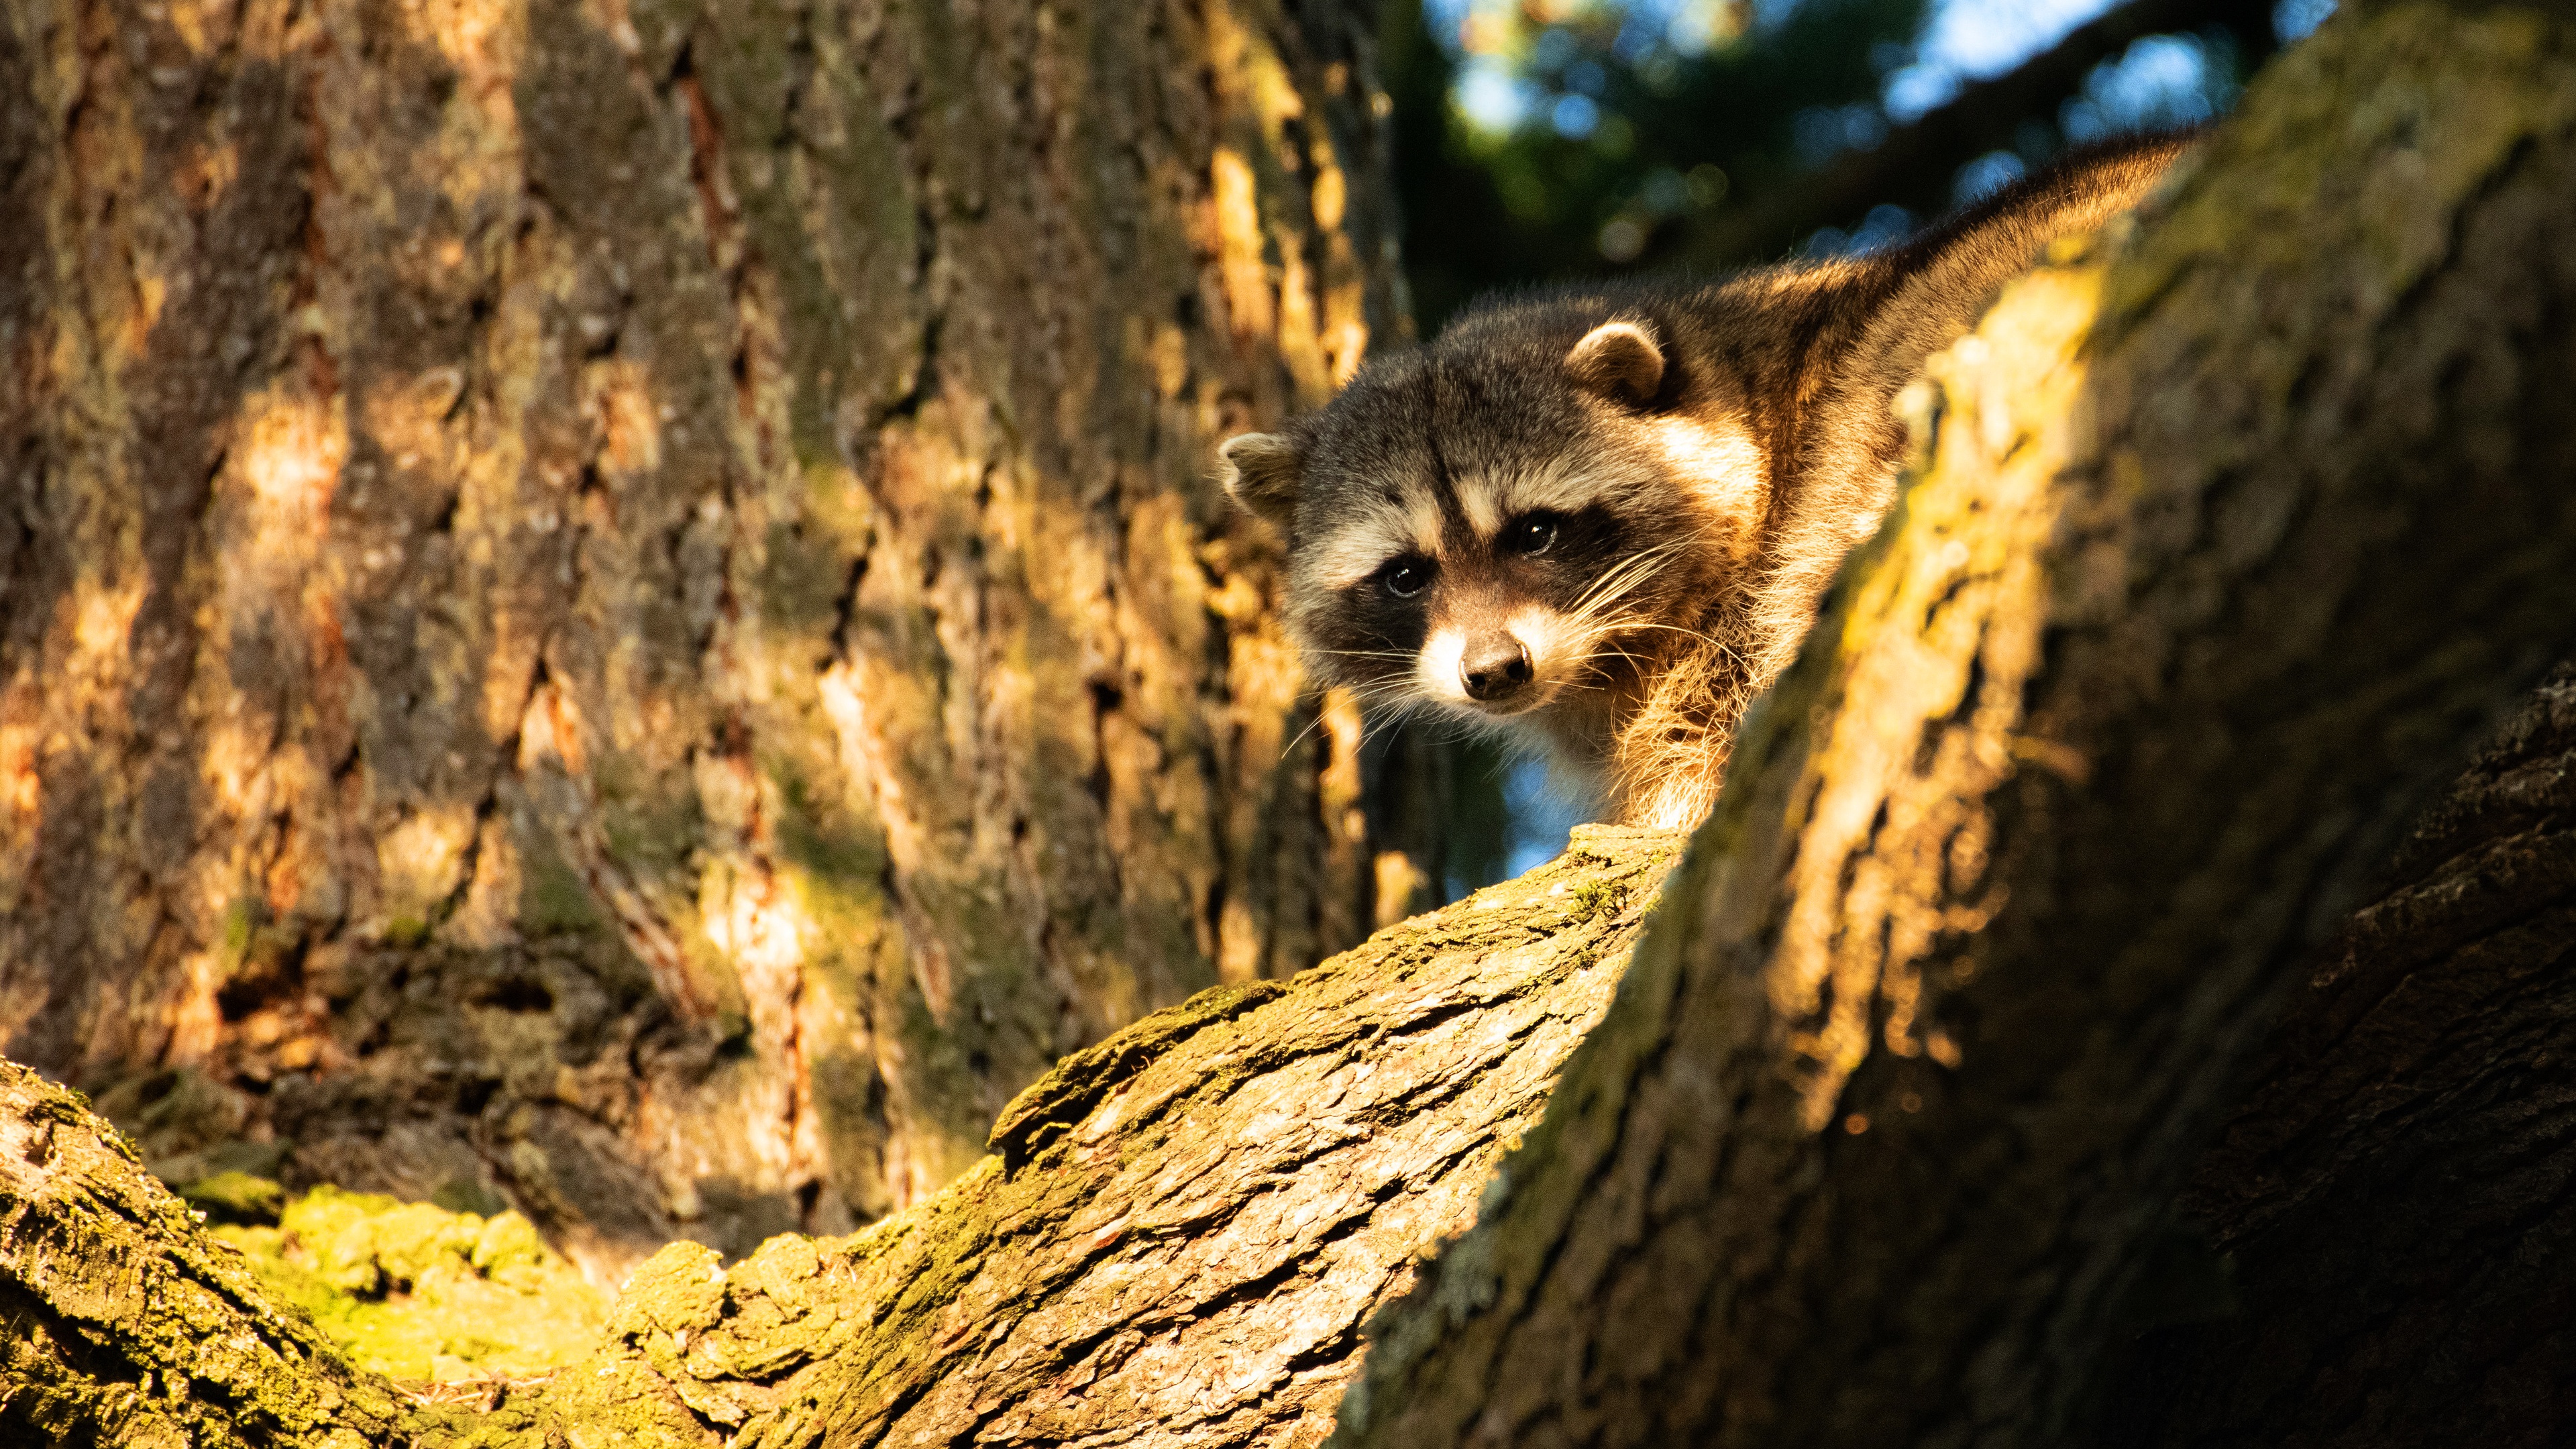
pixel 1488 526
pixel 1480 600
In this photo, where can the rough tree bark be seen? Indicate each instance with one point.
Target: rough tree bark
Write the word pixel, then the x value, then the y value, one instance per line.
pixel 2393 1196
pixel 2228 539
pixel 617 603
pixel 1177 1241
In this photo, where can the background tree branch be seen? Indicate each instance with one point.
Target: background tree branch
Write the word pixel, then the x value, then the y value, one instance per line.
pixel 1916 164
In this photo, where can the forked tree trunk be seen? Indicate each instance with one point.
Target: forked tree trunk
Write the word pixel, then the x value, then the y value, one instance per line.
pixel 620 604
pixel 2229 539
pixel 2228 542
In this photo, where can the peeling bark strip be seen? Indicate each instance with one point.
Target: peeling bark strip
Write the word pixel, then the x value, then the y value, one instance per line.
pixel 619 603
pixel 1185 1231
pixel 2232 538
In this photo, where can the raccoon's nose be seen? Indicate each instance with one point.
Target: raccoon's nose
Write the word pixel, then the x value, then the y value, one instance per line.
pixel 1495 668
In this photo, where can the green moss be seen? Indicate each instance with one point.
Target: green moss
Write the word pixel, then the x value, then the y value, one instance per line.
pixel 1600 898
pixel 406 931
pixel 235 1197
pixel 841 859
pixel 553 898
pixel 415 1292
pixel 239 928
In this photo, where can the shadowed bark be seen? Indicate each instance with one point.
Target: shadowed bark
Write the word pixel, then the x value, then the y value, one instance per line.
pixel 2393 1199
pixel 617 605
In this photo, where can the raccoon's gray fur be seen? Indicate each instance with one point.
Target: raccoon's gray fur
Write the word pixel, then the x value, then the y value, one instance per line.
pixel 1601 518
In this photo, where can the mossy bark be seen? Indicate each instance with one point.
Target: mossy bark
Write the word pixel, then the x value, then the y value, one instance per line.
pixel 617 603
pixel 126 1325
pixel 1177 1239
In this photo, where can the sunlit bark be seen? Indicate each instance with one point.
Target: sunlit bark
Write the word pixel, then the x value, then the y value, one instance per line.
pixel 1177 1240
pixel 618 605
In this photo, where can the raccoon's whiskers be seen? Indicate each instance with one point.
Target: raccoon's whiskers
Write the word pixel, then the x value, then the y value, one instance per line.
pixel 1312 725
pixel 1609 589
pixel 1623 577
pixel 1593 639
pixel 1403 655
pixel 1720 645
pixel 1363 695
pixel 1616 583
pixel 1372 729
pixel 1592 660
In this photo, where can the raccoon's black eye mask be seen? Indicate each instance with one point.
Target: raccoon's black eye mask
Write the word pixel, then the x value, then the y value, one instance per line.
pixel 1406 575
pixel 1580 544
pixel 1529 535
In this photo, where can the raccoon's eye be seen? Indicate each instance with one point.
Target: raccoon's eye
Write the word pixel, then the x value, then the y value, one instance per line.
pixel 1405 577
pixel 1530 533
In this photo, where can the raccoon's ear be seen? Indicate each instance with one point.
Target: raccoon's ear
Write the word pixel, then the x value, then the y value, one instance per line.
pixel 1261 473
pixel 1620 361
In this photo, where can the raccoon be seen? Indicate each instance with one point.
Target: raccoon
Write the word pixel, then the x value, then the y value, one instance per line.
pixel 1600 519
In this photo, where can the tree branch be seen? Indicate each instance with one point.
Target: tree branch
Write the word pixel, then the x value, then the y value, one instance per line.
pixel 121 1323
pixel 1914 166
pixel 1181 1232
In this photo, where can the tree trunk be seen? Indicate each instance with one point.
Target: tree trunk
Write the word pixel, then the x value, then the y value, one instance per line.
pixel 2227 541
pixel 2393 1194
pixel 619 605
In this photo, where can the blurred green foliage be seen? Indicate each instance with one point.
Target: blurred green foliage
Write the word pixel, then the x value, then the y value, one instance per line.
pixel 1626 139
pixel 1549 140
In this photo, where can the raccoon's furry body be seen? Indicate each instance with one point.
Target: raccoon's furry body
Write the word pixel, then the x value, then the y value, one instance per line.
pixel 1601 518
